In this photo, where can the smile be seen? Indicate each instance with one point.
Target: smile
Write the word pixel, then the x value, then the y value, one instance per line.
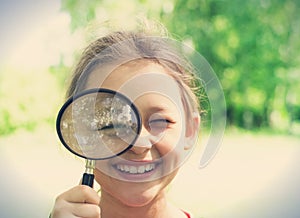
pixel 135 169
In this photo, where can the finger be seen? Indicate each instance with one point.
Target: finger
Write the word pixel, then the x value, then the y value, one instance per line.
pixel 86 210
pixel 71 210
pixel 82 194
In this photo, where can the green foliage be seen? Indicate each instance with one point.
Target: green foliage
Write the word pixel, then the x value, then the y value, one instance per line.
pixel 60 72
pixel 246 42
pixel 28 99
pixel 6 125
pixel 253 46
pixel 81 12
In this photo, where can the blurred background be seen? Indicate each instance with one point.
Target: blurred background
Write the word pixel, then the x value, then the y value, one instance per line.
pixel 253 47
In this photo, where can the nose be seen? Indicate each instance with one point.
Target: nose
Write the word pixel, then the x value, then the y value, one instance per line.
pixel 143 143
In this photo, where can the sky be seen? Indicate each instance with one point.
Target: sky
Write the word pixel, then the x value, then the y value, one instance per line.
pixel 19 18
pixel 34 33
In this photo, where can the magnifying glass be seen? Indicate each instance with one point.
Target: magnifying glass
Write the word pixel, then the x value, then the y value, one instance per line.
pixel 98 124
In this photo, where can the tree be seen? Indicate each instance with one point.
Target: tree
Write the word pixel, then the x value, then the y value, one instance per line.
pixel 252 46
pixel 246 42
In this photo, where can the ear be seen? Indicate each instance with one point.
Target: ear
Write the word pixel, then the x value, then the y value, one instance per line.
pixel 192 130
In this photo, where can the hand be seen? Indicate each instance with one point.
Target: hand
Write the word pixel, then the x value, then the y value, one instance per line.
pixel 80 201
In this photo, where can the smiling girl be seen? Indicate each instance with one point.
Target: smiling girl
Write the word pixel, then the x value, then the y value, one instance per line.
pixel 150 71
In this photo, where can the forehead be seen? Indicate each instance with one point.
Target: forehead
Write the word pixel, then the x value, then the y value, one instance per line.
pixel 115 77
pixel 137 78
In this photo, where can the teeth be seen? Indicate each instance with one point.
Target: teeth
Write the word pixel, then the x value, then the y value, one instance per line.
pixel 126 168
pixel 141 169
pixel 135 169
pixel 148 167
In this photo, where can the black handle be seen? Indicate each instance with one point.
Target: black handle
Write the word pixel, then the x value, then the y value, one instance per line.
pixel 88 179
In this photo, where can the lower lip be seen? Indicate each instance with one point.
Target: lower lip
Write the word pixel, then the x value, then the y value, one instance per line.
pixel 138 176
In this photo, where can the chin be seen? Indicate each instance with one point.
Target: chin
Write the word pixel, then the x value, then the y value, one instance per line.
pixel 140 194
pixel 133 194
pixel 137 201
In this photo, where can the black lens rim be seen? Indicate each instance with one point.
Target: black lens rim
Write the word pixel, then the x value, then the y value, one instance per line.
pixel 90 91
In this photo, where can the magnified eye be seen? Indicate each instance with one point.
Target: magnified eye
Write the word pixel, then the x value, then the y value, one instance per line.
pixel 114 130
pixel 98 124
pixel 105 128
pixel 109 130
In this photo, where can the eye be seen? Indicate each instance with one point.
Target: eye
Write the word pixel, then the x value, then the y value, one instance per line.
pixel 107 130
pixel 107 127
pixel 159 121
pixel 158 125
pixel 117 131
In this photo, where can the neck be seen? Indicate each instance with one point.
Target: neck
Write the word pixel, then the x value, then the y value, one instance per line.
pixel 114 208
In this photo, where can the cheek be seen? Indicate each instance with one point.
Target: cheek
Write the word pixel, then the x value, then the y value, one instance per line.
pixel 101 178
pixel 171 141
pixel 104 172
pixel 171 149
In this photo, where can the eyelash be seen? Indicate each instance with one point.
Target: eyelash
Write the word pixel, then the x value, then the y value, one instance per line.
pixel 160 120
pixel 111 126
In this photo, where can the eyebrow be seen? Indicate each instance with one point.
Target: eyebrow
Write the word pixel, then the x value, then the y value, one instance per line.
pixel 159 108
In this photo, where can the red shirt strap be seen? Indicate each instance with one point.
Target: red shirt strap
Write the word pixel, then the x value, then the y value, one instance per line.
pixel 187 214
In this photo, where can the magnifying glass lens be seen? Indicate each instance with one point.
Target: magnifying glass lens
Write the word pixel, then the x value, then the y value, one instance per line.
pixel 98 124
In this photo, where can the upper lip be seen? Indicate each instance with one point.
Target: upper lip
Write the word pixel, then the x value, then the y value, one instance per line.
pixel 136 162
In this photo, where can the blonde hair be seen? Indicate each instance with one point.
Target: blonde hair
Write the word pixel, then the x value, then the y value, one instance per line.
pixel 139 45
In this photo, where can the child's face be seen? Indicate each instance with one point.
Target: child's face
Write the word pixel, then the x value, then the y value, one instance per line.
pixel 139 174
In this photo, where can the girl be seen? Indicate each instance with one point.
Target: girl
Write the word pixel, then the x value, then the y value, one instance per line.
pixel 150 71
